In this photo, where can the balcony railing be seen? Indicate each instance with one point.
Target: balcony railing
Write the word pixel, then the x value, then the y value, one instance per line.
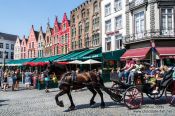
pixel 134 4
pixel 147 35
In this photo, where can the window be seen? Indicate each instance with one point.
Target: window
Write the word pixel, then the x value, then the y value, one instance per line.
pixel 6 55
pixel 79 29
pixel 32 44
pixel 108 26
pixel 7 46
pixel 118 42
pixel 95 39
pixel 139 22
pixel 80 43
pixel 73 19
pixel 118 22
pixel 87 41
pixel 83 13
pixel 64 26
pixel 108 44
pixel 73 32
pixel 167 20
pixel 1 45
pixel 66 38
pixel 117 5
pixel 12 46
pixel 87 26
pixel 1 54
pixel 107 9
pixel 95 7
pixel 96 23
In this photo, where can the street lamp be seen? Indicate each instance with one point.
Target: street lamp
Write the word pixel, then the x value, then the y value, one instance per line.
pixel 4 57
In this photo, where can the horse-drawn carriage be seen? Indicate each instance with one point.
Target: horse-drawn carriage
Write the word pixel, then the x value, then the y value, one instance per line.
pixel 132 95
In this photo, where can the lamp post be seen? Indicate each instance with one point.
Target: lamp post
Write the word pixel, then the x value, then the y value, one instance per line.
pixel 4 57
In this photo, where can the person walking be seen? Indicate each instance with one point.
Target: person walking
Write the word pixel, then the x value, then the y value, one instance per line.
pixel 1 76
pixel 5 82
pixel 27 79
pixel 13 77
pixel 17 73
pixel 47 80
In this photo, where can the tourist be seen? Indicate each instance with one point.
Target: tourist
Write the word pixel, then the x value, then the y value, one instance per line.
pixel 151 77
pixel 47 80
pixel 126 70
pixel 5 82
pixel 1 76
pixel 27 79
pixel 17 73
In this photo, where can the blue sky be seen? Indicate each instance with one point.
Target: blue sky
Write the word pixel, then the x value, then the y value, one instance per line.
pixel 17 16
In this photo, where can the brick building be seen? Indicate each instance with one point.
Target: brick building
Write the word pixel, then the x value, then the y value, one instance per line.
pixel 85 25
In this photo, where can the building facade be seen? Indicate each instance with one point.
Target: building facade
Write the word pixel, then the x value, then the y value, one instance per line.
pixel 113 24
pixel 55 38
pixel 32 44
pixel 48 42
pixel 64 39
pixel 7 42
pixel 85 25
pixel 24 48
pixel 150 29
pixel 41 43
pixel 17 49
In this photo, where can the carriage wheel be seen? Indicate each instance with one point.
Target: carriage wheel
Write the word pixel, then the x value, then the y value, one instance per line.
pixel 116 91
pixel 133 98
pixel 170 96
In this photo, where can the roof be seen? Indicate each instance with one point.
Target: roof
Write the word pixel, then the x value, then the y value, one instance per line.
pixel 36 34
pixel 8 36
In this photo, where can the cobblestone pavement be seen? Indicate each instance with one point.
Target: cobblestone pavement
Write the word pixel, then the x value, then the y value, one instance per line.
pixel 39 103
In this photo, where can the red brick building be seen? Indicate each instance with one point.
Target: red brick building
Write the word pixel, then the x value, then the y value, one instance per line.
pixel 61 36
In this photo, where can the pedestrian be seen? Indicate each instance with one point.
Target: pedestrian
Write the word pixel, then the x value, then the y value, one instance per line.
pixel 13 77
pixel 1 76
pixel 17 73
pixel 5 82
pixel 47 80
pixel 27 79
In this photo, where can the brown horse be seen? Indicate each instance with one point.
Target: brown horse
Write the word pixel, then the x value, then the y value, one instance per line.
pixel 86 79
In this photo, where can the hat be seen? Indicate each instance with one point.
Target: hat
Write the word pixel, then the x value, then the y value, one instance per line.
pixel 152 65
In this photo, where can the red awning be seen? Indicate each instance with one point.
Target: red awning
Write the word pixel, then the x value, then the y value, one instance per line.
pixel 139 53
pixel 166 52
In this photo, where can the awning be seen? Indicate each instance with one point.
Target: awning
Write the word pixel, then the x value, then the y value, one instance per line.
pixel 166 52
pixel 114 55
pixel 94 56
pixel 19 62
pixel 139 53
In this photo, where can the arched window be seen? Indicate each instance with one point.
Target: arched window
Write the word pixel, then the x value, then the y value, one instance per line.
pixel 95 7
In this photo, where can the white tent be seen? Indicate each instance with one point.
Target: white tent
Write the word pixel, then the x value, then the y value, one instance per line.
pixel 91 61
pixel 75 62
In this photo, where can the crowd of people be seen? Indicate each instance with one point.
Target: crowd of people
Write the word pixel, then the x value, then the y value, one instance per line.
pixel 133 67
pixel 11 78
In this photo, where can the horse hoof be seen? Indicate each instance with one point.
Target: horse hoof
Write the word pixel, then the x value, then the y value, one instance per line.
pixel 102 105
pixel 71 108
pixel 60 103
pixel 92 103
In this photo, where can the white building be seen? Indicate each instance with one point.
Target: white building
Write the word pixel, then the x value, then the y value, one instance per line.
pixel 17 49
pixel 7 42
pixel 113 24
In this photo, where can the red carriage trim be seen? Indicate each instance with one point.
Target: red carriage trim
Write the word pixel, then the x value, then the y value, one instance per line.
pixel 139 53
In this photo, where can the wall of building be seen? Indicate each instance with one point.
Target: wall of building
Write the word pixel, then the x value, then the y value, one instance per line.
pixel 112 17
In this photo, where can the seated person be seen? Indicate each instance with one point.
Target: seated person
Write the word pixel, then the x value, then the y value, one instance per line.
pixel 126 70
pixel 151 77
